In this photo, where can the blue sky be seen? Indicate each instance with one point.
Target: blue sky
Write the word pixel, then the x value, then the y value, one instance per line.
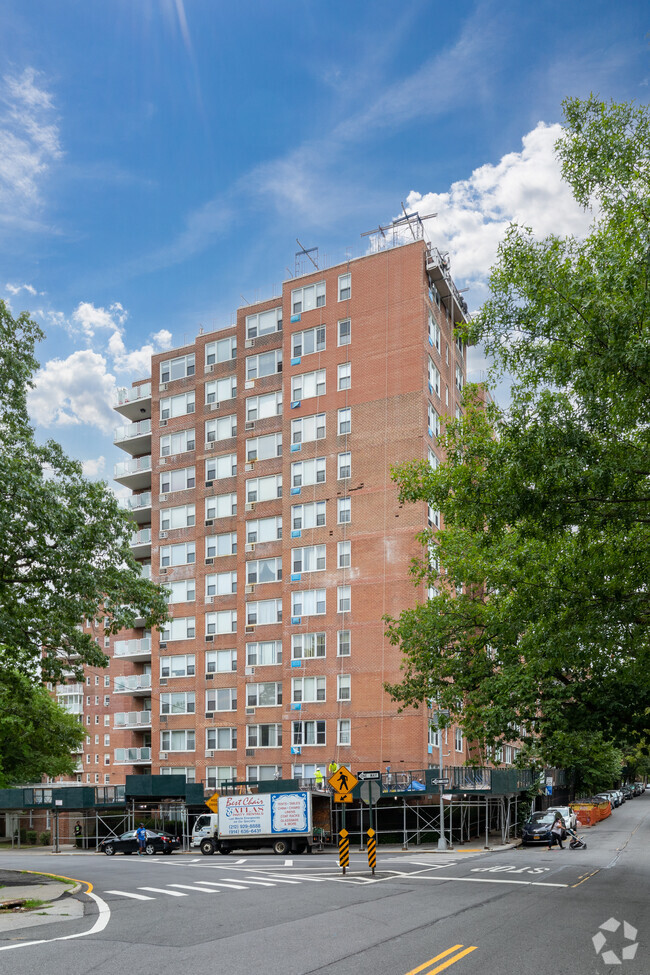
pixel 158 158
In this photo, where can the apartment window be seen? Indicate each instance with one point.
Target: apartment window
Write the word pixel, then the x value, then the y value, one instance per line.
pixel 178 703
pixel 308 689
pixel 446 395
pixel 221 699
pixel 219 390
pixel 458 740
pixel 264 323
pixel 344 421
pixel 97 739
pixel 345 286
pixel 344 372
pixel 225 621
pixel 180 480
pixel 178 368
pixel 434 463
pixel 96 700
pixel 264 364
pixel 345 465
pixel 217 546
pixel 309 602
pixel 307 342
pixel 308 428
pixel 216 468
pixel 434 332
pixel 434 378
pixel 264 529
pixel 309 559
pixel 177 443
pixel 264 695
pixel 184 553
pixel 180 405
pixel 307 298
pixel 434 737
pixel 305 472
pixel 305 646
pixel 343 555
pixel 311 515
pixel 221 351
pixel 344 506
pixel 263 570
pixel 264 488
pixel 87 681
pixel 179 665
pixel 459 378
pixel 177 741
pixel 107 641
pixel 216 776
pixel 221 739
pixel 189 772
pixel 308 384
pixel 459 412
pixel 221 584
pixel 263 612
pixel 220 661
pixel 343 731
pixel 221 506
pixel 433 419
pixel 344 332
pixel 264 448
pixel 308 733
pixel 182 591
pixel 343 690
pixel 264 736
pixel 343 643
pixel 221 428
pixel 264 653
pixel 107 741
pixel 264 406
pixel 107 700
pixel 183 516
pixel 107 719
pixel 182 628
pixel 433 517
pixel 344 599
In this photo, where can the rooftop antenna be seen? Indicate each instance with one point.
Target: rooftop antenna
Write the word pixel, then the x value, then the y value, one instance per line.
pixel 307 252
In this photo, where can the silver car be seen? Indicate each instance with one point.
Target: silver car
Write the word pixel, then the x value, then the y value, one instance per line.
pixel 566 813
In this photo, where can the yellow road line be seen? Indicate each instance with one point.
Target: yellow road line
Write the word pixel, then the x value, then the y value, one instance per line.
pixel 59 876
pixel 443 954
pixel 445 964
pixel 586 878
pixel 452 961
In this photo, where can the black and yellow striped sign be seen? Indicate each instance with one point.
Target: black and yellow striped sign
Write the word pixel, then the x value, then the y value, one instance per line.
pixel 372 849
pixel 344 849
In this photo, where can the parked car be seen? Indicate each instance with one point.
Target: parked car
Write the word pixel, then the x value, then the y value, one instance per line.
pixel 638 788
pixel 538 828
pixel 567 814
pixel 127 843
pixel 627 792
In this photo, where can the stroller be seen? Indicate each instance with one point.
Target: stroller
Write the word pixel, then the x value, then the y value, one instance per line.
pixel 576 842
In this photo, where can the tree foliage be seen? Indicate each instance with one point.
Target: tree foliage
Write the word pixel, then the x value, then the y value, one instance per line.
pixel 541 625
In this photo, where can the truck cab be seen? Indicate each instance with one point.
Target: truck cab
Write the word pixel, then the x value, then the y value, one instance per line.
pixel 205 828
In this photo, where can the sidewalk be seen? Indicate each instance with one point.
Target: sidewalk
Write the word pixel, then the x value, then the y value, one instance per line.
pixel 18 886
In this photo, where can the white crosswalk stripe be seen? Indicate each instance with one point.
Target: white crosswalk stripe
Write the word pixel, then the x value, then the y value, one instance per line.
pixel 162 890
pixel 126 893
pixel 188 887
pixel 219 883
pixel 277 880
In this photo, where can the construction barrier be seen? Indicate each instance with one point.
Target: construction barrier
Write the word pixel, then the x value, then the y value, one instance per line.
pixel 590 813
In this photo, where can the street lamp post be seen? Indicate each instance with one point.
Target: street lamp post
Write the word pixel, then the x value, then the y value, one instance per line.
pixel 435 722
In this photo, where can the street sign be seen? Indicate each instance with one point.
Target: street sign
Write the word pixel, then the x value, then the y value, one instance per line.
pixel 364 776
pixel 343 780
pixel 441 781
pixel 370 792
pixel 213 803
pixel 342 797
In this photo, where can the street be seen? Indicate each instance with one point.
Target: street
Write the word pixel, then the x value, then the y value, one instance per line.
pixel 526 911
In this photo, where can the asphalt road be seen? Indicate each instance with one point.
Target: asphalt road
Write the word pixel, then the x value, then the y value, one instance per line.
pixel 529 912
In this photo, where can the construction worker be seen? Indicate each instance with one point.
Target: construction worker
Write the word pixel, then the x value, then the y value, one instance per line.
pixel 332 768
pixel 318 779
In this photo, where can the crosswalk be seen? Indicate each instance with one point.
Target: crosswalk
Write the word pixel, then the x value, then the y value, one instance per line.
pixel 206 887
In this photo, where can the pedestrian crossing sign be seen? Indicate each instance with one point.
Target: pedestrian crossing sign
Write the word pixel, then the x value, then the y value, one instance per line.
pixel 343 781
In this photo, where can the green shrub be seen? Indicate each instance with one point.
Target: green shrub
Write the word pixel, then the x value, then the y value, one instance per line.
pixel 31 836
pixel 45 838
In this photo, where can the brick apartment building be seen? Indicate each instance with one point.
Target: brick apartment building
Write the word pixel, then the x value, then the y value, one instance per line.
pixel 260 460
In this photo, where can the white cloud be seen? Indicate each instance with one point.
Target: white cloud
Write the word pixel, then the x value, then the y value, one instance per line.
pixel 15 289
pixel 138 361
pixel 93 468
pixel 162 339
pixel 77 391
pixel 88 319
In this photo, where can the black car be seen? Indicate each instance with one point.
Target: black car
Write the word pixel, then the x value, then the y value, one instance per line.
pixel 128 843
pixel 537 829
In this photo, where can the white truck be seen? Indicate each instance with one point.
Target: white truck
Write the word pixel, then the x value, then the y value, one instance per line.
pixel 283 821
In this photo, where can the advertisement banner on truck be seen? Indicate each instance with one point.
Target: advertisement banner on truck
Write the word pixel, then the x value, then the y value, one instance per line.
pixel 263 815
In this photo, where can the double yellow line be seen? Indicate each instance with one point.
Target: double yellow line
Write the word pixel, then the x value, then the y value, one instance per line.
pixel 445 964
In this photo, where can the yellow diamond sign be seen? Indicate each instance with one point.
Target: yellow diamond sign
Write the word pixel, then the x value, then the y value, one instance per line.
pixel 343 781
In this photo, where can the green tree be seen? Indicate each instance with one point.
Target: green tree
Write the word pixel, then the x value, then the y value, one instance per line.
pixel 541 625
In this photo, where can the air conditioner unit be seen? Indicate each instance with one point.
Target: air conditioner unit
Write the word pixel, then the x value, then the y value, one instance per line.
pixel 209 639
pixel 215 406
pixel 209 445
pixel 210 368
pixel 163 423
pixel 249 466
pixel 162 534
pixel 250 752
pixel 209 714
pixel 163 719
pixel 162 756
pixel 163 460
pixel 249 425
pixel 249 590
pixel 249 343
pixel 209 600
pixel 209 754
pixel 250 505
pixel 162 387
pixel 209 483
pixel 209 522
pixel 250 629
pixel 163 572
pixel 250 711
pixel 162 646
pixel 163 681
pixel 249 384
pixel 249 672
pixel 162 497
pixel 249 547
pixel 209 561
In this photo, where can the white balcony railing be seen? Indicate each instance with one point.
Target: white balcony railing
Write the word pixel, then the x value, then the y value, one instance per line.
pixel 133 466
pixel 137 501
pixel 125 395
pixel 132 719
pixel 130 430
pixel 134 682
pixel 66 689
pixel 142 537
pixel 130 756
pixel 145 572
pixel 131 648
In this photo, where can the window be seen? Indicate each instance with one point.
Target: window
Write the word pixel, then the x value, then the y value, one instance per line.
pixel 180 405
pixel 308 733
pixel 343 643
pixel 184 553
pixel 217 546
pixel 264 736
pixel 264 323
pixel 178 703
pixel 344 599
pixel 177 443
pixel 344 332
pixel 221 506
pixel 264 695
pixel 307 385
pixel 219 390
pixel 107 719
pixel 221 699
pixel 343 731
pixel 434 737
pixel 345 465
pixel 264 529
pixel 434 378
pixel 344 506
pixel 310 515
pixel 216 776
pixel 184 516
pixel 182 628
pixel 304 646
pixel 433 420
pixel 178 368
pixel 221 351
pixel 180 480
pixel 189 772
pixel 459 378
pixel 344 421
pixel 433 460
pixel 264 448
pixel 308 428
pixel 221 584
pixel 446 395
pixel 221 428
pixel 216 468
pixel 433 517
pixel 107 741
pixel 345 285
pixel 309 559
pixel 225 621
pixel 264 364
pixel 305 472
pixel 458 740
pixel 343 691
pixel 107 681
pixel 264 488
pixel 107 700
pixel 220 661
pixel 304 299
pixel 177 741
pixel 309 602
pixel 343 555
pixel 264 653
pixel 181 592
pixel 344 372
pixel 309 341
pixel 434 332
pixel 264 612
pixel 180 665
pixel 264 406
pixel 263 570
pixel 308 689
pixel 221 739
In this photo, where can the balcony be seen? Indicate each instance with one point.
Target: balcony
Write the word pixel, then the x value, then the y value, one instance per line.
pixel 139 507
pixel 140 720
pixel 135 438
pixel 134 474
pixel 132 756
pixel 67 689
pixel 137 650
pixel 145 571
pixel 141 544
pixel 134 403
pixel 138 685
